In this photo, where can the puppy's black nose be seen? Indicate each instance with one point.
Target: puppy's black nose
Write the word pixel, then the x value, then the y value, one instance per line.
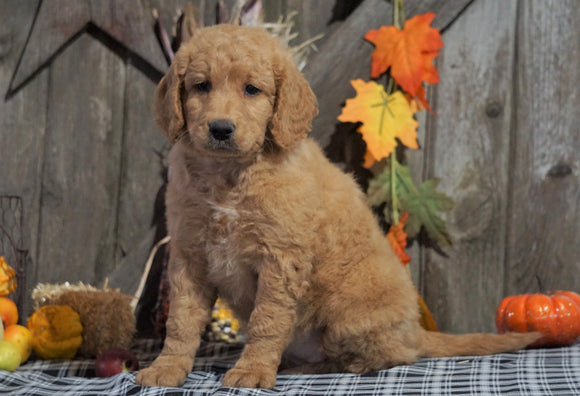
pixel 222 129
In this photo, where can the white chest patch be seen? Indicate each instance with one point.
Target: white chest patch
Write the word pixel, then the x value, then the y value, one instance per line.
pixel 221 238
pixel 230 260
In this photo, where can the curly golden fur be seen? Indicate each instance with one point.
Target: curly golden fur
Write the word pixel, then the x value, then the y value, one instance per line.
pixel 259 216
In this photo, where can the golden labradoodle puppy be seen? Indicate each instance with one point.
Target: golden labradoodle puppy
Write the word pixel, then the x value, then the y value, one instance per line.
pixel 258 215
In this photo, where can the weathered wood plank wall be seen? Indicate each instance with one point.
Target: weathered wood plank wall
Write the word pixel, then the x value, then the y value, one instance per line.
pixel 78 143
pixel 81 128
pixel 22 124
pixel 80 178
pixel 544 223
pixel 506 146
pixel 468 146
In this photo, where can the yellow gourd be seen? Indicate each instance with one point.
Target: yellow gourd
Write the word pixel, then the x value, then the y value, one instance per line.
pixel 7 278
pixel 56 332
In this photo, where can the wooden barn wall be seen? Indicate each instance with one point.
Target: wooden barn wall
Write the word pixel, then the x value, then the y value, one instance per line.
pixel 506 146
pixel 468 147
pixel 78 144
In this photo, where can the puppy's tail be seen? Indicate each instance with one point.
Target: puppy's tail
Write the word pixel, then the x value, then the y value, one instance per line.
pixel 435 344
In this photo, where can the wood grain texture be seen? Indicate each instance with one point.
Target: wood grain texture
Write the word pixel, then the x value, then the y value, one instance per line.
pixel 22 131
pixel 469 150
pixel 129 23
pixel 62 25
pixel 58 23
pixel 127 186
pixel 544 219
pixel 312 18
pixel 142 165
pixel 80 180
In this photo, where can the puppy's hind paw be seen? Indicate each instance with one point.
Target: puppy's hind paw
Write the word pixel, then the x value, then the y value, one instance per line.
pixel 250 378
pixel 161 376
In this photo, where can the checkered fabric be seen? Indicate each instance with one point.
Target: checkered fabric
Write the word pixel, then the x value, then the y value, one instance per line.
pixel 533 372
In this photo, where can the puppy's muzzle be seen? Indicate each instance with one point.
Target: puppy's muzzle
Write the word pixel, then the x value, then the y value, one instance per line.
pixel 222 129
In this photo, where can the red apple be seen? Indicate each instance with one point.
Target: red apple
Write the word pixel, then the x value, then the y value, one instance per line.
pixel 114 361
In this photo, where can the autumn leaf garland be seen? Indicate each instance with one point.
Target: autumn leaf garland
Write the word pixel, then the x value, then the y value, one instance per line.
pixel 387 119
pixel 384 115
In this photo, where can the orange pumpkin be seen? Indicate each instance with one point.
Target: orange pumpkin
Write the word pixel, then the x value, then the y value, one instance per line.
pixel 57 332
pixel 556 315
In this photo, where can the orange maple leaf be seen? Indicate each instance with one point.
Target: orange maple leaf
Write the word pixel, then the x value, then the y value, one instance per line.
pixel 420 101
pixel 398 239
pixel 384 118
pixel 408 52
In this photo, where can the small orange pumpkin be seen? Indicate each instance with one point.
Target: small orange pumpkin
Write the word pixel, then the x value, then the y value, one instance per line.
pixel 56 332
pixel 556 315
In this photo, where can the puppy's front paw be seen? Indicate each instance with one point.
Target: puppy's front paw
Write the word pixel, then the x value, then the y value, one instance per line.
pixel 166 370
pixel 252 377
pixel 161 376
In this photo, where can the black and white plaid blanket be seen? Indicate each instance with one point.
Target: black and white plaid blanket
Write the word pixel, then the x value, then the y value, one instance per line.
pixel 533 372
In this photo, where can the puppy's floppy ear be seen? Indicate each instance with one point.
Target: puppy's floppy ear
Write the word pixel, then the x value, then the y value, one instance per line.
pixel 167 104
pixel 295 105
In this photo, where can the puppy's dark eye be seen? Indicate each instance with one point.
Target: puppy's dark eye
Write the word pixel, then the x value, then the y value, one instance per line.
pixel 203 87
pixel 250 90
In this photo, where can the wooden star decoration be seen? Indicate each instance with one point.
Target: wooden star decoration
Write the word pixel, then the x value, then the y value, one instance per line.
pixel 123 26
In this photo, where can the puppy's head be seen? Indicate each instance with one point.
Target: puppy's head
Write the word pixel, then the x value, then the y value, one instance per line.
pixel 231 89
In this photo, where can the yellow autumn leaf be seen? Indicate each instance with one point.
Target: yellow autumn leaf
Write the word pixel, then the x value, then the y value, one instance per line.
pixel 384 118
